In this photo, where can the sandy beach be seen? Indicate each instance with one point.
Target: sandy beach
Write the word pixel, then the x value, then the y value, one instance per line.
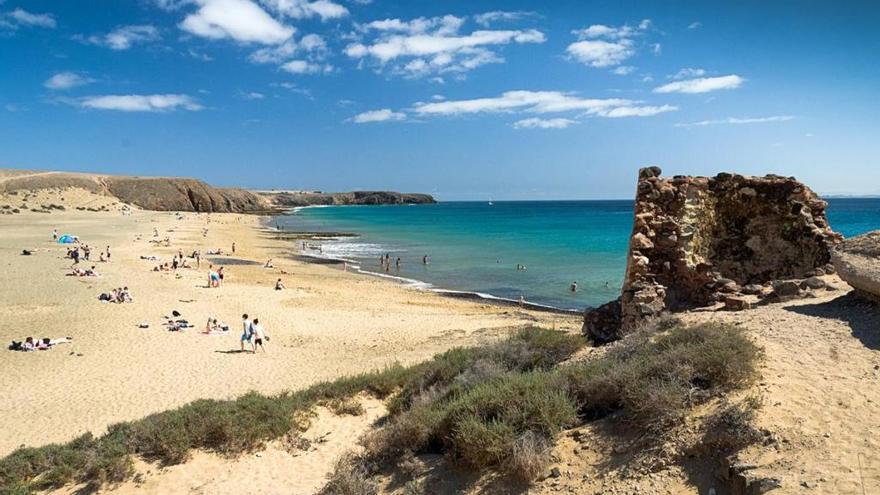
pixel 327 323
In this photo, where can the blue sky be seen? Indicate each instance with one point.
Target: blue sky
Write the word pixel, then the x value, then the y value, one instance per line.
pixel 463 99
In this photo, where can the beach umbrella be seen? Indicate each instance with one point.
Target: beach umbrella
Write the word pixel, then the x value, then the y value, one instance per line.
pixel 66 239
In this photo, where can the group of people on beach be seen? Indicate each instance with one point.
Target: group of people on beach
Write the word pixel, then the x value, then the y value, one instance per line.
pixel 119 295
pixel 215 277
pixel 44 344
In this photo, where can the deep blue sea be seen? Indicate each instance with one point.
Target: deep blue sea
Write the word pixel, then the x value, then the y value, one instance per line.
pixel 476 247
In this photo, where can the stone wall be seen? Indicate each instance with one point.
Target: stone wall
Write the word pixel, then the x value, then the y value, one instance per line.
pixel 699 240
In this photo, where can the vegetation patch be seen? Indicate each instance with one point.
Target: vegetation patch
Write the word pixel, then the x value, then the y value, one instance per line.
pixel 241 425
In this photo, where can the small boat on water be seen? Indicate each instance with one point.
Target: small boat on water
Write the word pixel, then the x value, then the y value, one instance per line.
pixel 491 203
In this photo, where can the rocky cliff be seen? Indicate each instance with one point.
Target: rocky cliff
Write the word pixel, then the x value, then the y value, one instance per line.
pixel 183 194
pixel 294 199
pixel 702 240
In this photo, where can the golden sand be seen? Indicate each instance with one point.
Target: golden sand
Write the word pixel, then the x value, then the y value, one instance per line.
pixel 326 324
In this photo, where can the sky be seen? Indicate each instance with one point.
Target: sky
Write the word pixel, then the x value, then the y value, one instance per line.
pixel 461 99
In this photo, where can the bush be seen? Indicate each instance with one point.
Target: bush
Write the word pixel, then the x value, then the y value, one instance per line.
pixel 655 380
pixel 349 478
pixel 345 406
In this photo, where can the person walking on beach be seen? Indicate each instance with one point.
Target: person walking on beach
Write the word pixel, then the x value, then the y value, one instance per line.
pixel 259 334
pixel 54 234
pixel 233 247
pixel 246 332
pixel 108 253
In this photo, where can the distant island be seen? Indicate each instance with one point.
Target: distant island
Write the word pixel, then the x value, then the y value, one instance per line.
pixel 186 194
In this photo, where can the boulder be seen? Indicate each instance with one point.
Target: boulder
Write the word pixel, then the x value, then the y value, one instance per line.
pixel 737 303
pixel 813 283
pixel 857 262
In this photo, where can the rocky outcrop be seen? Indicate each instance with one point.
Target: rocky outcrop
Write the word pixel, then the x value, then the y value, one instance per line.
pixel 172 194
pixel 857 261
pixel 150 193
pixel 304 198
pixel 697 241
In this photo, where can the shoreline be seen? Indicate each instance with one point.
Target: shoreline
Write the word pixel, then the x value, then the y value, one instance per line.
pixel 407 282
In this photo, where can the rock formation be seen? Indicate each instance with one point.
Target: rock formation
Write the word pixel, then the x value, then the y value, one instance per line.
pixel 697 241
pixel 857 261
pixel 183 194
pixel 293 199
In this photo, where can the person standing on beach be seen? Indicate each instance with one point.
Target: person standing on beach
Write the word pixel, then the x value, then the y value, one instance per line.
pixel 108 253
pixel 54 234
pixel 259 334
pixel 233 247
pixel 246 332
pixel 220 276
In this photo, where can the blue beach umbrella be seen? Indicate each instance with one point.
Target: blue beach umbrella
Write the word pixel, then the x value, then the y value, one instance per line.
pixel 66 239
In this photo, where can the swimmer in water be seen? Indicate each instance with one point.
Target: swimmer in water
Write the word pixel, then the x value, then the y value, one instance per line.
pixel 574 286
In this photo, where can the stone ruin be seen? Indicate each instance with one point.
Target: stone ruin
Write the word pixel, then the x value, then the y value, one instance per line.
pixel 698 241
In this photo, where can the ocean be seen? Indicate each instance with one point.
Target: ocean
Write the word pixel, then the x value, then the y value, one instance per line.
pixel 475 247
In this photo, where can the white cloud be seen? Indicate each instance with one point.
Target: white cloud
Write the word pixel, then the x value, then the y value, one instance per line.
pixel 253 95
pixel 22 17
pixel 688 73
pixel 305 67
pixel 701 85
pixel 738 120
pixel 695 25
pixel 598 53
pixel 603 46
pixel 382 115
pixel 300 9
pixel 311 45
pixel 542 102
pixel 123 37
pixel 66 80
pixel 239 20
pixel 534 122
pixel 430 46
pixel 623 70
pixel 487 18
pixel 637 111
pixel 140 103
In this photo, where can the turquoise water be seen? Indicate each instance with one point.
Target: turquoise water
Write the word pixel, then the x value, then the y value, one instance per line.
pixel 475 247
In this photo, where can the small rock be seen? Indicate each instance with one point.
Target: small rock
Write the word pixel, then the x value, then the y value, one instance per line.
pixel 814 283
pixel 555 473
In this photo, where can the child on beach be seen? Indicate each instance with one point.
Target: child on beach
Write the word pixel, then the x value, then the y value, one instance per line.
pixel 279 285
pixel 259 334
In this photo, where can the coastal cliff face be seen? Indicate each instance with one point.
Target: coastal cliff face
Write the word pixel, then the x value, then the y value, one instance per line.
pixel 163 194
pixel 697 241
pixel 183 194
pixel 294 199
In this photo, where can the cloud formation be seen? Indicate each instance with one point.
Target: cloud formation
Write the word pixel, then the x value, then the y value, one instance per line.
pixel 537 123
pixel 738 120
pixel 123 37
pixel 239 20
pixel 431 46
pixel 488 18
pixel 702 85
pixel 20 17
pixel 605 46
pixel 66 80
pixel 300 9
pixel 140 103
pixel 383 115
pixel 305 67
